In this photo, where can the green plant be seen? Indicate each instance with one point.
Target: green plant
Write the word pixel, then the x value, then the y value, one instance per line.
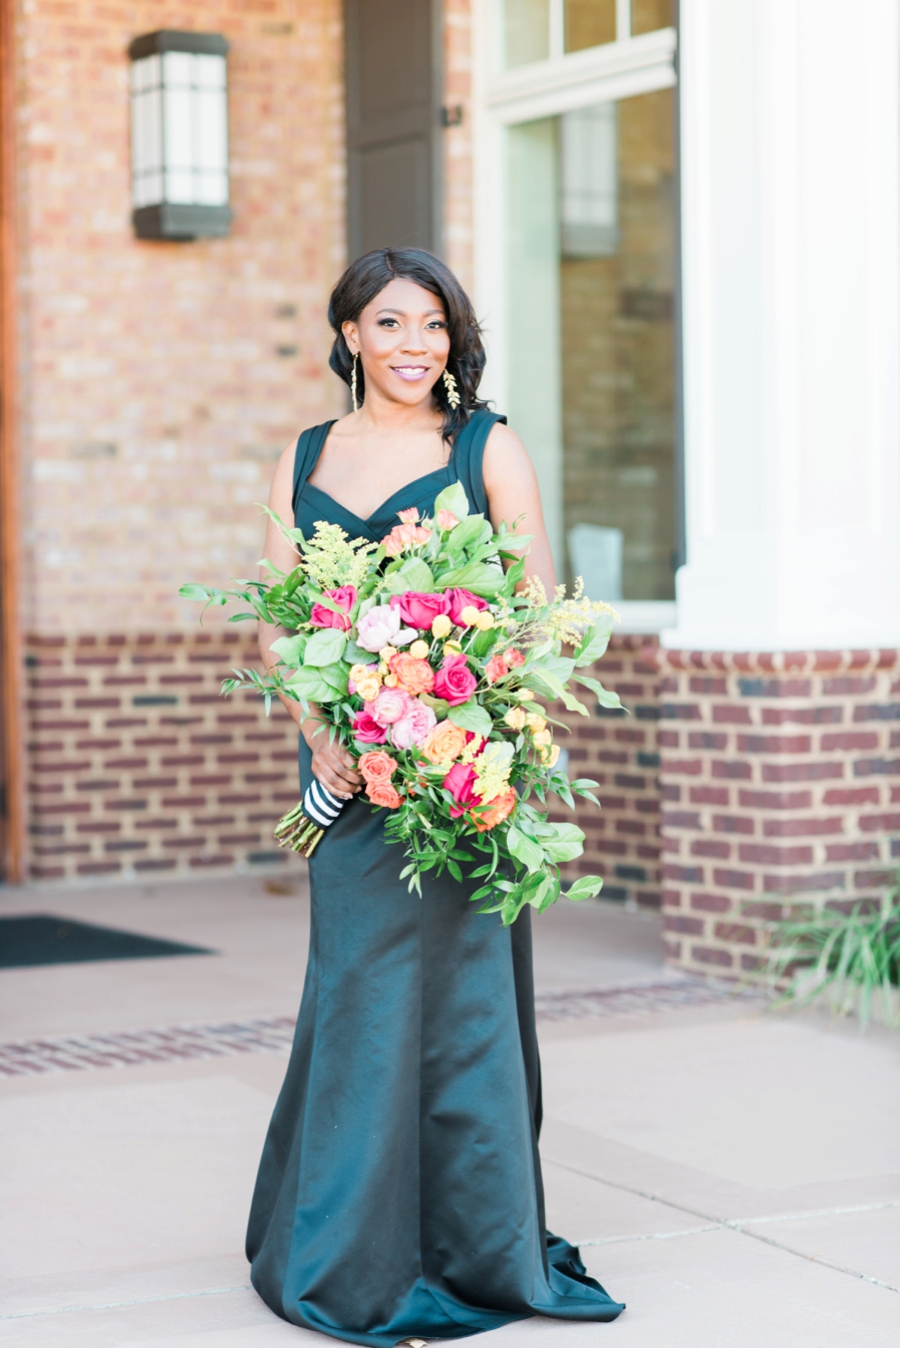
pixel 847 958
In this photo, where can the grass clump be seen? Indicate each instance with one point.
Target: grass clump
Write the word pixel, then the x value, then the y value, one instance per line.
pixel 848 960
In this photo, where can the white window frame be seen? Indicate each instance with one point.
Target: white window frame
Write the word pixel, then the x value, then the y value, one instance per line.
pixel 503 98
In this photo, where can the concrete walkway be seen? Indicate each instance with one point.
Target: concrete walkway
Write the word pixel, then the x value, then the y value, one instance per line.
pixel 733 1175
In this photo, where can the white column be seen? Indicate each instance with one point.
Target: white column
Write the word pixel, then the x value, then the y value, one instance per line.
pixel 791 185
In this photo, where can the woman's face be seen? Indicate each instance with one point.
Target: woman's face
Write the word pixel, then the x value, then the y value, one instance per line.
pixel 402 341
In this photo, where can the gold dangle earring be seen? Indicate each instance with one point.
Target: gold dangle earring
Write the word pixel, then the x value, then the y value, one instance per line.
pixel 450 386
pixel 353 382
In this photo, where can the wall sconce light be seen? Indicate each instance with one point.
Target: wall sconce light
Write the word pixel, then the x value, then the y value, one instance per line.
pixel 179 135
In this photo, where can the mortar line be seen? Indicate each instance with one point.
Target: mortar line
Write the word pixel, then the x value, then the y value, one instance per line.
pixel 118 1305
pixel 724 1224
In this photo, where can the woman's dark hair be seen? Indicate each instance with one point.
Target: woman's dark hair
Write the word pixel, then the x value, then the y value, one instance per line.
pixel 367 277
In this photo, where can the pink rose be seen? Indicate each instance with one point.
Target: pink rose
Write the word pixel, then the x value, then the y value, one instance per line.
pixel 446 519
pixel 460 599
pixel 496 668
pixel 460 782
pixel 367 730
pixel 389 706
pixel 454 681
pixel 413 728
pixel 410 516
pixel 513 657
pixel 419 610
pixel 345 598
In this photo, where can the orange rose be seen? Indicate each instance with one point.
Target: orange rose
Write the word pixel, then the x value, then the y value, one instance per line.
pixel 500 808
pixel 412 675
pixel 377 767
pixel 444 743
pixel 382 793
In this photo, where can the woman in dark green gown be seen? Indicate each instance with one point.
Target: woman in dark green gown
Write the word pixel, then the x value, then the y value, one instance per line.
pixel 399 1194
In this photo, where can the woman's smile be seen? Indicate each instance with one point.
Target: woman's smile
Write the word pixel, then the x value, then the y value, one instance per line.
pixel 410 372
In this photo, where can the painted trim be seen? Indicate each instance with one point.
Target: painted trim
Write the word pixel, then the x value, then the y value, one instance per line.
pixel 10 498
pixel 598 74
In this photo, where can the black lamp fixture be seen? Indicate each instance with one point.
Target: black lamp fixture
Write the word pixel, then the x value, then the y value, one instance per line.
pixel 179 135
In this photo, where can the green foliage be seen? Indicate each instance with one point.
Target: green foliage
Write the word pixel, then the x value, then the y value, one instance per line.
pixel 845 959
pixel 324 647
pixel 516 861
pixel 471 716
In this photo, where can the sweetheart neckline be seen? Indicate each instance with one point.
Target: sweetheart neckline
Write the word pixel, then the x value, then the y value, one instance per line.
pixel 367 520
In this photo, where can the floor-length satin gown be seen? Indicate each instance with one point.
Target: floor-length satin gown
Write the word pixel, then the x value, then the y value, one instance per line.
pixel 399 1192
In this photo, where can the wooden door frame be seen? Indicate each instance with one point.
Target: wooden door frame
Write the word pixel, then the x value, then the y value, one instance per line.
pixel 10 498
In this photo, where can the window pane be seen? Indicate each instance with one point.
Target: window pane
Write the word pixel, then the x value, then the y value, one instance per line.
pixel 209 71
pixel 178 129
pixel 648 15
pixel 177 69
pixel 211 145
pixel 589 23
pixel 590 261
pixel 526 31
pixel 616 283
pixel 589 203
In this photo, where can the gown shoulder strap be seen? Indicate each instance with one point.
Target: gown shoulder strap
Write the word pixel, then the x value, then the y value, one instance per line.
pixel 309 447
pixel 468 454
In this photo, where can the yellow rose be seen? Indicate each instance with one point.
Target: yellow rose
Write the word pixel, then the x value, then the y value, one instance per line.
pixel 469 616
pixel 419 650
pixel 442 626
pixel 368 687
pixel 525 695
pixel 553 757
pixel 535 722
pixel 386 653
pixel 543 739
pixel 390 680
pixel 485 620
pixel 515 718
pixel 359 672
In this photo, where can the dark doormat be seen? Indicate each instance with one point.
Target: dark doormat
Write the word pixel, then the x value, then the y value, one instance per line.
pixel 41 938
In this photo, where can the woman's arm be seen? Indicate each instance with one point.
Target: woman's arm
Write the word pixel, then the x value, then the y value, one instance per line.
pixel 332 764
pixel 512 491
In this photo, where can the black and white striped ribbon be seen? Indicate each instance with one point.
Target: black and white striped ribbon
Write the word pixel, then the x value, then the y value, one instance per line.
pixel 320 805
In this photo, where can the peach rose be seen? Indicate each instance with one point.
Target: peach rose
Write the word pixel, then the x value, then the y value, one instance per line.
pixel 413 676
pixel 404 536
pixel 500 808
pixel 445 743
pixel 382 793
pixel 446 519
pixel 513 657
pixel 496 668
pixel 377 767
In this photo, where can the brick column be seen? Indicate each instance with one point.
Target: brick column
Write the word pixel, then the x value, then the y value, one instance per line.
pixel 618 750
pixel 780 780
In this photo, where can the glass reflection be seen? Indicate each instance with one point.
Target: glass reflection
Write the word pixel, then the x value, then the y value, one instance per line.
pixel 526 31
pixel 589 23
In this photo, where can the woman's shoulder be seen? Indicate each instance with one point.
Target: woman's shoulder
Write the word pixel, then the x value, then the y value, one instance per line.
pixel 503 443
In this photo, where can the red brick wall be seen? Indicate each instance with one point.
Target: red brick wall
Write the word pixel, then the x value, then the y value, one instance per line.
pixel 160 381
pixel 619 751
pixel 137 765
pixel 781 782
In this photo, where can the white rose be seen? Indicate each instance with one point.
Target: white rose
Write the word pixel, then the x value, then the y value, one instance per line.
pixel 382 626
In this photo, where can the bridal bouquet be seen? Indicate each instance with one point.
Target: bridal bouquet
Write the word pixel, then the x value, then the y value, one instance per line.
pixel 425 662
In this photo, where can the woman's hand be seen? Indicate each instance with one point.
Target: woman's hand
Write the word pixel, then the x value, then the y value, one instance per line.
pixel 332 765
